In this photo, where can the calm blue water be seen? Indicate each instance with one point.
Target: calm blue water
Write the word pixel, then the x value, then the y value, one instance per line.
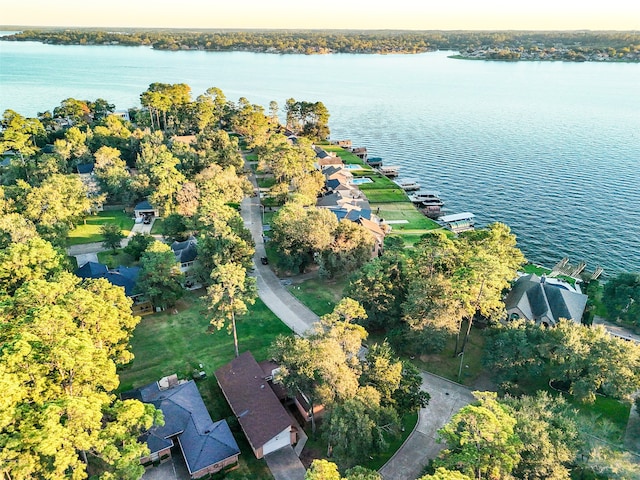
pixel 551 149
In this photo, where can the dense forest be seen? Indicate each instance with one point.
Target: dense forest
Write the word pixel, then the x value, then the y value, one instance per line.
pixel 505 45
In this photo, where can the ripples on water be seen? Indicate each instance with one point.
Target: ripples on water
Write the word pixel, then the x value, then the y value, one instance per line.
pixel 551 149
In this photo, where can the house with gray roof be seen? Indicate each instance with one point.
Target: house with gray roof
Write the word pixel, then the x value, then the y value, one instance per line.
pixel 186 252
pixel 207 446
pixel 125 277
pixel 544 301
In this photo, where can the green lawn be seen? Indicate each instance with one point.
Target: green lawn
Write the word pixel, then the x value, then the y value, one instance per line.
pixel 448 366
pixel 112 261
pixel 404 211
pixel 89 231
pixel 347 157
pixel 168 342
pixel 320 296
pixel 265 182
pixel 156 228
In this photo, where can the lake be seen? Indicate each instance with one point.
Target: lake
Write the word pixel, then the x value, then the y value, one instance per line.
pixel 551 149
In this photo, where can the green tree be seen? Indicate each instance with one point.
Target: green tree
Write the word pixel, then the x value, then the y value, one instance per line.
pixel 111 172
pixel 549 434
pixel 165 181
pixel 160 279
pixel 20 134
pixel 409 396
pixel 22 262
pixel 228 296
pixel 350 249
pixel 512 353
pixel 299 234
pixel 380 287
pixel 60 199
pixel 322 470
pixel 621 298
pixel 481 441
pixel 382 371
pixel 444 474
pixel 137 245
pixel 14 228
pixel 361 473
pixel 591 360
pixel 63 341
pixel 250 121
pixel 111 236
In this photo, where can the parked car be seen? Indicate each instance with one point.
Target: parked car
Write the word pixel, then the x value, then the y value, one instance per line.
pixel 147 220
pixel 264 260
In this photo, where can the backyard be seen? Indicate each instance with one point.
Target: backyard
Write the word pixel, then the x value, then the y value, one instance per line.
pixel 89 230
pixel 178 341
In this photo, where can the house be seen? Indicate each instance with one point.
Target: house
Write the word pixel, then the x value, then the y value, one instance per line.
pixel 122 114
pixel 125 277
pixel 347 144
pixel 186 252
pixel 263 419
pixel 122 276
pixel 207 446
pixel 145 209
pixel 544 301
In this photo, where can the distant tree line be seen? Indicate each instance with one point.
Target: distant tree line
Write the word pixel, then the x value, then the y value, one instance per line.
pixel 340 41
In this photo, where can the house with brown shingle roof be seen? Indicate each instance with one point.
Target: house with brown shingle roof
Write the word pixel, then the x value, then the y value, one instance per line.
pixel 263 419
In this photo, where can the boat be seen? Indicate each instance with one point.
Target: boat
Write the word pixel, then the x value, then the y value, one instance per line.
pixel 408 185
pixel 389 171
pixel 426 197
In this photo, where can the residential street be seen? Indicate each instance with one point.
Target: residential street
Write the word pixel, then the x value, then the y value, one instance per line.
pixel 279 300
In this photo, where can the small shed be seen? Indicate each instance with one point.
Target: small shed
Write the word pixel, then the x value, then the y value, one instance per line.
pixel 145 209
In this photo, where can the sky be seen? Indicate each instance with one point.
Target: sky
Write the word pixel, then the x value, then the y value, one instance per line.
pixel 329 14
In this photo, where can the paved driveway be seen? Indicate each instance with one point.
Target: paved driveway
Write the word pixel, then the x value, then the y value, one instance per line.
pixel 447 398
pixel 285 465
pixel 279 300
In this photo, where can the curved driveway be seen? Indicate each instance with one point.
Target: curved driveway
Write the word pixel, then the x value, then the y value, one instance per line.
pixel 446 397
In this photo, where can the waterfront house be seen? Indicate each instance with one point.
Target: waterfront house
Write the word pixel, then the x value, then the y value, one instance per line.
pixel 263 419
pixel 544 301
pixel 207 446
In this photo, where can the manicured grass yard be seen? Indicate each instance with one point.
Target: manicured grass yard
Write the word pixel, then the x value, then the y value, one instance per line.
pixel 166 343
pixel 319 295
pixel 112 261
pixel 156 228
pixel 447 366
pixel 89 231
